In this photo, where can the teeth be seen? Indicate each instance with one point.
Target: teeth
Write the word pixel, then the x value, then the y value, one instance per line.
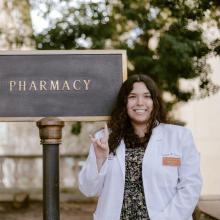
pixel 140 111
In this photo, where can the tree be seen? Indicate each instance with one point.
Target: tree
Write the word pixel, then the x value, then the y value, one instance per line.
pixel 164 39
pixel 15 25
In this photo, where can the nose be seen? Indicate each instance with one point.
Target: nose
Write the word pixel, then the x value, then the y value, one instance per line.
pixel 139 101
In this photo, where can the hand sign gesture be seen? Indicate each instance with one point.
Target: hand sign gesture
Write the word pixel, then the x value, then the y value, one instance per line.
pixel 101 147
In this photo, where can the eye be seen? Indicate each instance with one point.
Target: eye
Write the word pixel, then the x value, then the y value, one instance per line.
pixel 131 96
pixel 147 96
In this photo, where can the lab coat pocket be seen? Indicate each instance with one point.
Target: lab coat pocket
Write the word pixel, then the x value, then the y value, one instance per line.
pixel 168 170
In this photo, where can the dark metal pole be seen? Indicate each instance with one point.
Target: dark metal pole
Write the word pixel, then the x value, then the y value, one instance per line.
pixel 51 135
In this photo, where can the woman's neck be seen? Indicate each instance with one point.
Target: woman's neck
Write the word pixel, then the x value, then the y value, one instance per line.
pixel 140 130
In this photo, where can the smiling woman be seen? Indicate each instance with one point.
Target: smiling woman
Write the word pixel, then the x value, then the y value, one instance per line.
pixel 139 107
pixel 142 168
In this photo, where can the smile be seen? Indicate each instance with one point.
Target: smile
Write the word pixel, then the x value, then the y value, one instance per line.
pixel 140 111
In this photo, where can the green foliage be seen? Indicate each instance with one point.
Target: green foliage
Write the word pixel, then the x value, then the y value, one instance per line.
pixel 76 128
pixel 163 39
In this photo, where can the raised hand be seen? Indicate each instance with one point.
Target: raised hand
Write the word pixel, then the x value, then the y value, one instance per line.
pixel 101 147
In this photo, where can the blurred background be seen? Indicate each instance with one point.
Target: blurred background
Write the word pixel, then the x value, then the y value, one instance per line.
pixel 177 43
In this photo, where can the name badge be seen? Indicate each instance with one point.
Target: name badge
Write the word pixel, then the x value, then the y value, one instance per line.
pixel 171 161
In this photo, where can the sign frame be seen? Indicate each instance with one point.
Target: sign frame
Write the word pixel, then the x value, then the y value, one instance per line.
pixel 60 52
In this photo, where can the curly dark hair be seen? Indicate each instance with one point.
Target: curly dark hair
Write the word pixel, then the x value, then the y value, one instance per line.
pixel 120 124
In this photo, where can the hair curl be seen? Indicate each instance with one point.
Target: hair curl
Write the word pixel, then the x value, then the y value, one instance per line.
pixel 120 124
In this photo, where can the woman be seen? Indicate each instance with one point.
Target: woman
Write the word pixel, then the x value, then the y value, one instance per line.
pixel 144 169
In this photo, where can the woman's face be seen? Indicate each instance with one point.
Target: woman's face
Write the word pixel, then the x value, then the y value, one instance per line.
pixel 139 104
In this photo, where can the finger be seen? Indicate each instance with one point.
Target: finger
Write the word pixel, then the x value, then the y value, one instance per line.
pixel 106 131
pixel 95 142
pixel 103 140
pixel 98 142
pixel 102 144
pixel 92 138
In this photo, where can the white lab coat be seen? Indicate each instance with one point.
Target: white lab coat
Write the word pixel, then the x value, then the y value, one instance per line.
pixel 171 192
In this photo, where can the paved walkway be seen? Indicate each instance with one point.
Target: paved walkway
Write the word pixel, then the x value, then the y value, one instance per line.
pixel 69 211
pixel 83 211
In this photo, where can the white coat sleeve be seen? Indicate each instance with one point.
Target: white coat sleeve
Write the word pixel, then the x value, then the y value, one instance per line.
pixel 90 180
pixel 189 185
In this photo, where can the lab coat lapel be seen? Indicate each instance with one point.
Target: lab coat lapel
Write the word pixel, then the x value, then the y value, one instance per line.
pixel 120 153
pixel 157 136
pixel 153 150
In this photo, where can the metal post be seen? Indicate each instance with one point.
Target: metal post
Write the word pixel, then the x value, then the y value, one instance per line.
pixel 51 135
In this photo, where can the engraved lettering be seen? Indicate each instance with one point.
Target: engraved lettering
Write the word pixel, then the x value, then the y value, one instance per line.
pixel 33 86
pixel 65 86
pixel 75 85
pixel 87 82
pixel 49 85
pixel 22 85
pixel 54 85
pixel 43 85
pixel 12 85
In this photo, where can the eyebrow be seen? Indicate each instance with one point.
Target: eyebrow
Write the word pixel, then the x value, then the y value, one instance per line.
pixel 133 93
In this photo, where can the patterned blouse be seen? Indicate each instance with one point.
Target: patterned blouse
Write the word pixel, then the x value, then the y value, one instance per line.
pixel 134 206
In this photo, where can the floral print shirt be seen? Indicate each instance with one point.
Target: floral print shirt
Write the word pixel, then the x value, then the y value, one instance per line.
pixel 134 206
